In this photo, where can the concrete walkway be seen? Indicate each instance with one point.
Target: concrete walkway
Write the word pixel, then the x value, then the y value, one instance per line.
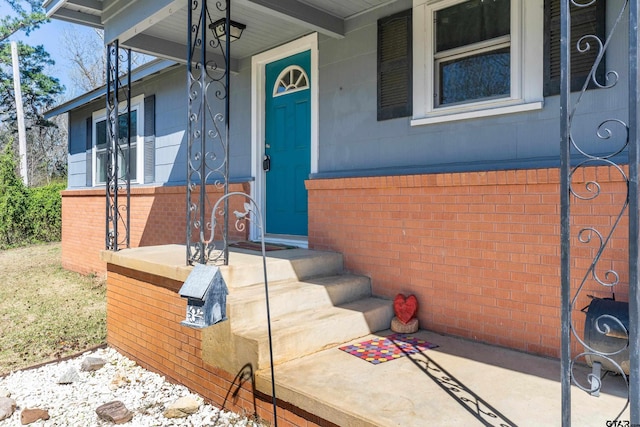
pixel 460 383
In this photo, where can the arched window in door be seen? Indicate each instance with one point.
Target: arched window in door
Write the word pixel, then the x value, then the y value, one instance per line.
pixel 291 79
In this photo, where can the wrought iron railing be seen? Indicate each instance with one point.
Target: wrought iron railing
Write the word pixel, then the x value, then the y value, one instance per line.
pixel 118 147
pixel 612 145
pixel 208 76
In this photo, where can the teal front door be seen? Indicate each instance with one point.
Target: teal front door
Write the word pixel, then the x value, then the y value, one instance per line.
pixel 287 144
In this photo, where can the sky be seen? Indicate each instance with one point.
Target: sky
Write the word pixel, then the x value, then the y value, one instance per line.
pixel 50 36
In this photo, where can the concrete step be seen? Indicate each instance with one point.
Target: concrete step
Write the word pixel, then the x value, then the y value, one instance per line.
pixel 305 332
pixel 246 306
pixel 245 267
pixel 313 306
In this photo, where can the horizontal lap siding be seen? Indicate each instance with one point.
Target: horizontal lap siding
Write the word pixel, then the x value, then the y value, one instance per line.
pixel 158 217
pixel 143 323
pixel 480 250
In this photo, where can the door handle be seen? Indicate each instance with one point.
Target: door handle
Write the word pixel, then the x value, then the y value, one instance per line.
pixel 266 163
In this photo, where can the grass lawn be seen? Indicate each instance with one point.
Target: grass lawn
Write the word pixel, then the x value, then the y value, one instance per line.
pixel 46 312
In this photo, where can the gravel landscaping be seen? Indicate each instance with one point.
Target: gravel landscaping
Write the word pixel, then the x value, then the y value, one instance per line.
pixel 70 391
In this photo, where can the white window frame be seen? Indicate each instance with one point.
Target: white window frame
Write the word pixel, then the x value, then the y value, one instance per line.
pixel 137 104
pixel 526 44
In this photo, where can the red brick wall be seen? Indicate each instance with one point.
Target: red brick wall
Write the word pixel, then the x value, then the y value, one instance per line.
pixel 158 216
pixel 143 322
pixel 83 230
pixel 480 250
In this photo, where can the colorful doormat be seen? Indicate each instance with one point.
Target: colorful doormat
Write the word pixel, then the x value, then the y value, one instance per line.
pixel 257 246
pixel 383 349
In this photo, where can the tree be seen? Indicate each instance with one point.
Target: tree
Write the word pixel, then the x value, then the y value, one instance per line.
pixel 47 152
pixel 87 52
pixel 28 16
pixel 40 91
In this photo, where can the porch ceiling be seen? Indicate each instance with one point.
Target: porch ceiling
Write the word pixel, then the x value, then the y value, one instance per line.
pixel 158 27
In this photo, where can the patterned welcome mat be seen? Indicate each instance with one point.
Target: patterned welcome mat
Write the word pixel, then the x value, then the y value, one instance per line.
pixel 383 349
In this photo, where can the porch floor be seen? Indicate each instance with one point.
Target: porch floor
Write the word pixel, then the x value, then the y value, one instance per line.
pixel 459 383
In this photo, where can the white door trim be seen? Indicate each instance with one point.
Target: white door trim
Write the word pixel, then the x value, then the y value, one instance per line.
pixel 258 90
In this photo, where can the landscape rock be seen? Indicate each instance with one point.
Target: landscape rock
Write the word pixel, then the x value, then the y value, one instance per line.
pixel 92 364
pixel 182 407
pixel 7 407
pixel 119 380
pixel 146 394
pixel 70 376
pixel 5 393
pixel 115 411
pixel 28 416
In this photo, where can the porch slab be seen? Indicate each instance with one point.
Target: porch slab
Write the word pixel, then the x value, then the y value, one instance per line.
pixel 244 269
pixel 459 383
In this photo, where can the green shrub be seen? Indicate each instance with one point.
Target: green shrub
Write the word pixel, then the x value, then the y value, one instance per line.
pixel 45 213
pixel 27 215
pixel 14 226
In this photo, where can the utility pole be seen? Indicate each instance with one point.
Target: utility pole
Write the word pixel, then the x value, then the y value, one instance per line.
pixel 22 137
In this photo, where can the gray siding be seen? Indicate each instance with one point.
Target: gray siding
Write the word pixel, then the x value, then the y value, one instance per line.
pixel 240 116
pixel 351 140
pixel 171 116
pixel 171 120
pixel 78 142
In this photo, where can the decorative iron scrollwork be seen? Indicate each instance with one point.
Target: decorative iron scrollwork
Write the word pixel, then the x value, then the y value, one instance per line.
pixel 208 130
pixel 118 150
pixel 605 148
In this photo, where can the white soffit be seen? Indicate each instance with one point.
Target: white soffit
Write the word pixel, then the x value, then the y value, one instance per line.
pixel 345 9
pixel 158 27
pixel 83 12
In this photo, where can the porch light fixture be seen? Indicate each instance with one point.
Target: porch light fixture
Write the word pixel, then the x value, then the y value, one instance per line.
pixel 235 29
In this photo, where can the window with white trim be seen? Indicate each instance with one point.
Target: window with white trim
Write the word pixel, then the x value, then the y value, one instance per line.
pixel 99 163
pixel 476 58
pixel 472 57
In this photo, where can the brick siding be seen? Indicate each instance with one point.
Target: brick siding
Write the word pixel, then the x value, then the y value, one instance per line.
pixel 480 250
pixel 143 322
pixel 158 217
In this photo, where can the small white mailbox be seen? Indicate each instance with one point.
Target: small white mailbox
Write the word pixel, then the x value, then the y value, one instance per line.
pixel 206 294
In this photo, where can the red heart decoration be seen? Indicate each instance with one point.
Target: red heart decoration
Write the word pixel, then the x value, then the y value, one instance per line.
pixel 405 308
